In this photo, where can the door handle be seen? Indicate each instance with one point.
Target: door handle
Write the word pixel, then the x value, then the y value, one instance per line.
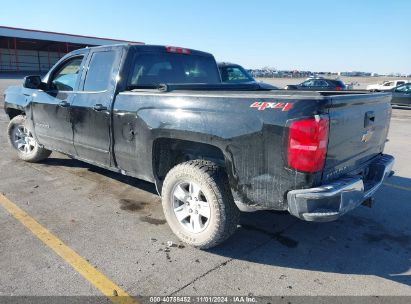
pixel 63 104
pixel 99 107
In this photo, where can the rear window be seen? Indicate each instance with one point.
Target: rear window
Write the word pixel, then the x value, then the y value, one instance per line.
pixel 156 68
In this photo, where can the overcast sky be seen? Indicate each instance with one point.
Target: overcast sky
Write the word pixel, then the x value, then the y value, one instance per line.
pixel 320 35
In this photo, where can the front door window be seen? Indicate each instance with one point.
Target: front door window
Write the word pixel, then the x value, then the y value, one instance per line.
pixel 65 78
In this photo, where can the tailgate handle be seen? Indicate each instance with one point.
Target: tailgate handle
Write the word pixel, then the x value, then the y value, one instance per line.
pixel 369 118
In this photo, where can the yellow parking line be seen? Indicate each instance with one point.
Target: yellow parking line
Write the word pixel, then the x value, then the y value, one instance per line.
pixel 116 294
pixel 398 187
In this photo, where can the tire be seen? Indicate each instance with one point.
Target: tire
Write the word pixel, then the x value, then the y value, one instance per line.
pixel 21 139
pixel 204 183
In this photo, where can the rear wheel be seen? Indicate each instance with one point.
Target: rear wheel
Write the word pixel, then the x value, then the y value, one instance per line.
pixel 198 203
pixel 22 140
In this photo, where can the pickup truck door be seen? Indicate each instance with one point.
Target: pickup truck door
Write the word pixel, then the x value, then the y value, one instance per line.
pixel 51 106
pixel 92 106
pixel 402 95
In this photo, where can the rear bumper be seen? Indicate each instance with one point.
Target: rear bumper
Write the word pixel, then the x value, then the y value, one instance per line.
pixel 328 202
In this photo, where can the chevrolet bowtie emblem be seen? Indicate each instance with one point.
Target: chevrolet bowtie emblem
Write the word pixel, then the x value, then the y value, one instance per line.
pixel 367 136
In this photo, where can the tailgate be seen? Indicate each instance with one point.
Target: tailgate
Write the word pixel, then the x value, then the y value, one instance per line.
pixel 358 131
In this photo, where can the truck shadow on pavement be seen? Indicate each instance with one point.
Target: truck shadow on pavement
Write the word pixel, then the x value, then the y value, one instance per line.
pixel 366 241
pixel 76 164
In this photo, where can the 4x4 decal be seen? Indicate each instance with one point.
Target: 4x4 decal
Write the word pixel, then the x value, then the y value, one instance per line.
pixel 261 106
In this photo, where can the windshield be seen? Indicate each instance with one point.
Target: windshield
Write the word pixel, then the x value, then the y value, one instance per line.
pixel 157 68
pixel 234 74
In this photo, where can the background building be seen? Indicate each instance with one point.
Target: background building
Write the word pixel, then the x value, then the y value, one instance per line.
pixel 24 50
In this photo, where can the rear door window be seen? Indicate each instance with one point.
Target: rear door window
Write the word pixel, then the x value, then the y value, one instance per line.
pixel 156 68
pixel 99 73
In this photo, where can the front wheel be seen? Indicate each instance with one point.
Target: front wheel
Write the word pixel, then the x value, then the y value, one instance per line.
pixel 22 140
pixel 198 203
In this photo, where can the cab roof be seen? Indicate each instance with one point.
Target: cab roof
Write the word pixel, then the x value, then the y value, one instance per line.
pixel 149 48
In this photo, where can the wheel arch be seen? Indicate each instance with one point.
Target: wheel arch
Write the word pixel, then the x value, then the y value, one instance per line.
pixel 169 152
pixel 12 112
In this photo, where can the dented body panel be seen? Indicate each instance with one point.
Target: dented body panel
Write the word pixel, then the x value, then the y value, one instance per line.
pixel 250 140
pixel 248 128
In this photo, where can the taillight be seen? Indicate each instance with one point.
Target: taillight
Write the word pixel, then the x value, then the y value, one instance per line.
pixel 338 88
pixel 307 144
pixel 178 50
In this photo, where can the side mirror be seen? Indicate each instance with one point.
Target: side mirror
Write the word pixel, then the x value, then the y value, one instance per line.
pixel 33 82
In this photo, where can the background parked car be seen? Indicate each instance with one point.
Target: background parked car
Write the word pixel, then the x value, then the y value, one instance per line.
pixel 319 84
pixel 401 95
pixel 386 85
pixel 235 73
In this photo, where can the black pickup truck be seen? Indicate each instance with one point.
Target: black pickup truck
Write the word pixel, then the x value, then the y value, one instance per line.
pixel 161 114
